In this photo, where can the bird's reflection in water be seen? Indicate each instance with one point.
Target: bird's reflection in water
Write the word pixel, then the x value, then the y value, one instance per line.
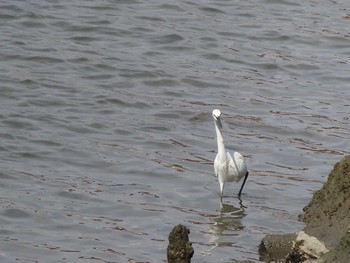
pixel 225 226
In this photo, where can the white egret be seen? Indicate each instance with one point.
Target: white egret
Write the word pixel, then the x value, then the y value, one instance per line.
pixel 226 168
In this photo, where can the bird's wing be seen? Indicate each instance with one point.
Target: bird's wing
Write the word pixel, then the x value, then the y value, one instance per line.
pixel 216 165
pixel 237 166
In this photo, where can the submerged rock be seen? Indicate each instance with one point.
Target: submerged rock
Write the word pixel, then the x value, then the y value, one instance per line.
pixel 179 249
pixel 275 246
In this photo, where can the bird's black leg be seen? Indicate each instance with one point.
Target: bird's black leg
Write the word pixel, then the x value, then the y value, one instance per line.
pixel 245 179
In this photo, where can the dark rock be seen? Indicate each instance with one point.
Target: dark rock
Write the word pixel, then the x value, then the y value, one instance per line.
pixel 275 246
pixel 294 256
pixel 179 249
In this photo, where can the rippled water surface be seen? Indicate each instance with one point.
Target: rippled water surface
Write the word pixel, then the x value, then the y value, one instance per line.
pixel 107 138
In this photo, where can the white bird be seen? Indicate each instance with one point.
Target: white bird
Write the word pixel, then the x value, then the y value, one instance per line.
pixel 226 168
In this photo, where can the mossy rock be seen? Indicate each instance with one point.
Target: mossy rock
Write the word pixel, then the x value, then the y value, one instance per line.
pixel 327 216
pixel 179 249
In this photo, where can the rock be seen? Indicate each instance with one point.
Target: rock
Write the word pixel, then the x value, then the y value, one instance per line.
pixel 306 249
pixel 275 246
pixel 179 249
pixel 327 219
pixel 341 253
pixel 309 245
pixel 291 248
pixel 327 216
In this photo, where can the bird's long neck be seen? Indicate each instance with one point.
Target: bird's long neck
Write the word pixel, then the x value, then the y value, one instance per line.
pixel 220 141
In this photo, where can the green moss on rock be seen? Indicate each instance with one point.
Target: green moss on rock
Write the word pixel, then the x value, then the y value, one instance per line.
pixel 179 249
pixel 327 216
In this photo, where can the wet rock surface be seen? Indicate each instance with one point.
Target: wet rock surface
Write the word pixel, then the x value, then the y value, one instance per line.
pixel 326 236
pixel 275 246
pixel 179 249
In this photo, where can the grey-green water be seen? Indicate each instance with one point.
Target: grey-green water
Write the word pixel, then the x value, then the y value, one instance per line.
pixel 107 138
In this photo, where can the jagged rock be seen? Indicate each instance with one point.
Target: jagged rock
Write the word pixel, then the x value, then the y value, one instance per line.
pixel 306 249
pixel 179 249
pixel 327 216
pixel 310 245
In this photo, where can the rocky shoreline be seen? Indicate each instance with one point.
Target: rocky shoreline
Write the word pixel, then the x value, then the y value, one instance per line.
pixel 324 239
pixel 326 236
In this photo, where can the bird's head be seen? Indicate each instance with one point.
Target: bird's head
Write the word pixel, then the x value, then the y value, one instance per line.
pixel 216 116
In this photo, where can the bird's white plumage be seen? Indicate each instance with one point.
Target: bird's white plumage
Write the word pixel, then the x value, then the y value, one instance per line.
pixel 226 167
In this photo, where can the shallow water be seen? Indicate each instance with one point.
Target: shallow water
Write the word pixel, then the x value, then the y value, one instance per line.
pixel 106 128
